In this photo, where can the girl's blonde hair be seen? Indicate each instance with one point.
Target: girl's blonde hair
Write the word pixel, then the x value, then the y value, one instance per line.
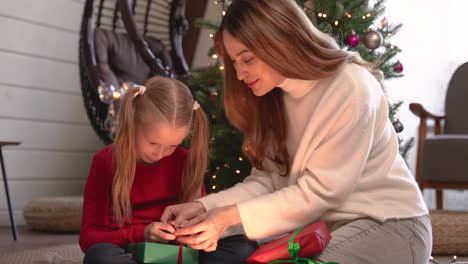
pixel 280 34
pixel 166 100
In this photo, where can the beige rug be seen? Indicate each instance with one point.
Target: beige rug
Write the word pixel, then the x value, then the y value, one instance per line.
pixel 64 254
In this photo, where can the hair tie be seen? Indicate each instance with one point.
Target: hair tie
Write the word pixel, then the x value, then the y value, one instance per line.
pixel 141 90
pixel 196 105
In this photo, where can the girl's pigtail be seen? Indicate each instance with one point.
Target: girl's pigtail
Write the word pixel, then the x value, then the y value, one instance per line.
pixel 125 157
pixel 197 160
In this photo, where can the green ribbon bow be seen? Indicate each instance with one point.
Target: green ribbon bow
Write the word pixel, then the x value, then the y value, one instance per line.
pixel 293 249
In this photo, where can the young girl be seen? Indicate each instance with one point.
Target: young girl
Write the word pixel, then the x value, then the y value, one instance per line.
pixel 133 180
pixel 316 128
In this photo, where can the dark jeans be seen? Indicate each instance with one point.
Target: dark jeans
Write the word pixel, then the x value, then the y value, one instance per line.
pixel 105 253
pixel 231 250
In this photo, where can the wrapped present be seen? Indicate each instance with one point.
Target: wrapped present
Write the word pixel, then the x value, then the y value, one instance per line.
pixel 294 248
pixel 163 253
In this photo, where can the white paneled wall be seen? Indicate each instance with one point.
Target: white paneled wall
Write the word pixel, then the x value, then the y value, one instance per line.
pixel 434 43
pixel 41 103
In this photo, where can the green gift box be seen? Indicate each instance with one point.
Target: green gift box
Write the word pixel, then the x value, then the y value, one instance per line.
pixel 156 253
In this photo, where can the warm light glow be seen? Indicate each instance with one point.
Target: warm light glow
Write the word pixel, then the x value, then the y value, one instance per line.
pixel 216 2
pixel 392 47
pixel 221 68
pixel 237 171
pixel 116 95
pixel 336 23
pixel 214 176
pixel 224 12
pixel 215 56
pixel 240 158
pixel 211 35
pixel 214 187
pixel 212 138
pixel 363 17
pixel 368 15
pixel 217 168
pixel 213 116
pixel 319 14
pixel 324 15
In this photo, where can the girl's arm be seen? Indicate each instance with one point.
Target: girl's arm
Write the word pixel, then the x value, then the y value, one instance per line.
pixel 95 227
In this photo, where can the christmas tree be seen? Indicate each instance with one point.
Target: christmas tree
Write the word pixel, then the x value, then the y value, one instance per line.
pixel 357 26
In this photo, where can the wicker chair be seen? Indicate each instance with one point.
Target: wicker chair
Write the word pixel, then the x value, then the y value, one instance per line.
pixel 126 41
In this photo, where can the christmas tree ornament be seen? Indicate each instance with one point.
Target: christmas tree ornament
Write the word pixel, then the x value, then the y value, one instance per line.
pixel 384 22
pixel 127 85
pixel 105 92
pixel 398 67
pixel 115 92
pixel 372 39
pixel 352 40
pixel 109 122
pixel 213 95
pixel 112 123
pixel 398 126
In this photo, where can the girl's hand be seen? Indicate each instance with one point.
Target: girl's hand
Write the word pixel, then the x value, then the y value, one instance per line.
pixel 203 232
pixel 181 213
pixel 159 232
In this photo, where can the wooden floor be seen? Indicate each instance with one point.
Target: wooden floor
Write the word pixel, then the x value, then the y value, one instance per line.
pixel 28 239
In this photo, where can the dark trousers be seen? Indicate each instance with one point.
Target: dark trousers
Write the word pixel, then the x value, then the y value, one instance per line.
pixel 105 253
pixel 231 250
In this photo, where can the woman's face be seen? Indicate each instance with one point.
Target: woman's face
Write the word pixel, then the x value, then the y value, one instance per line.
pixel 255 73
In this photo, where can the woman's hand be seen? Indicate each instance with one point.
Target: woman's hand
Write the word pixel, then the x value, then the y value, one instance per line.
pixel 203 232
pixel 159 232
pixel 181 213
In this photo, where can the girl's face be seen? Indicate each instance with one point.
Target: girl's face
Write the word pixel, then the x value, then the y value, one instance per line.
pixel 156 141
pixel 255 73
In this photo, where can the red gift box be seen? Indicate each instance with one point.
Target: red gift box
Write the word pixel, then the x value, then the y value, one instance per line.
pixel 313 239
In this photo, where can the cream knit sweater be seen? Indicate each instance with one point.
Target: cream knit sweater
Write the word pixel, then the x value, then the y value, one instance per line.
pixel 345 162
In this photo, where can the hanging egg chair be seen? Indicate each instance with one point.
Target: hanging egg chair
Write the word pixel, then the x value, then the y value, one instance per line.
pixel 123 43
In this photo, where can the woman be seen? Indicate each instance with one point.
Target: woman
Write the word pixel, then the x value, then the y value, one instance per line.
pixel 317 132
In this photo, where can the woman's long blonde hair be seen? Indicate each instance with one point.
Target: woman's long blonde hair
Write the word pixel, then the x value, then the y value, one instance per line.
pixel 280 34
pixel 170 101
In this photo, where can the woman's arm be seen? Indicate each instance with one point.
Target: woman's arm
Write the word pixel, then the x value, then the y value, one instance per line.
pixel 331 174
pixel 258 183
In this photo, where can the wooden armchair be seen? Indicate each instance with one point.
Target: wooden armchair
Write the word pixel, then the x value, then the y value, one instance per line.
pixel 442 159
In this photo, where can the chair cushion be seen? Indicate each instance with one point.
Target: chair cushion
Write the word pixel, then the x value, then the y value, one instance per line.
pixel 449 229
pixel 445 158
pixel 59 214
pixel 119 61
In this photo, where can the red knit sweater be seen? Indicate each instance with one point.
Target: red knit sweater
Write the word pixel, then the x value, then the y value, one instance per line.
pixel 154 188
